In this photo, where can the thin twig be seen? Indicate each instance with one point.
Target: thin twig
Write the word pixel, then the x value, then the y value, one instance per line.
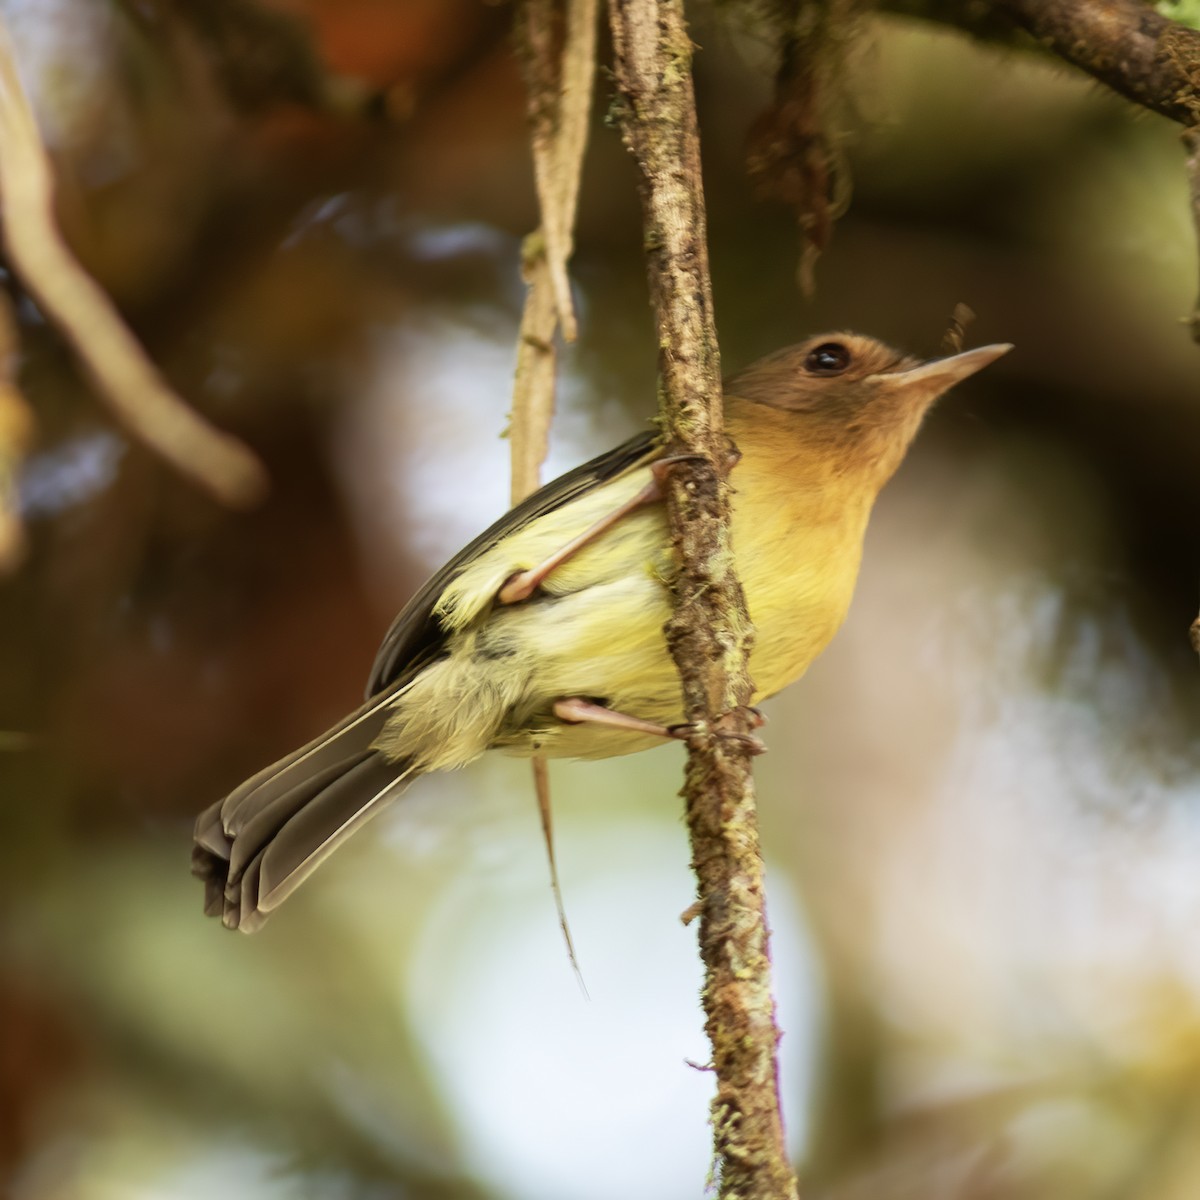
pixel 559 105
pixel 533 383
pixel 70 298
pixel 560 102
pixel 16 436
pixel 709 633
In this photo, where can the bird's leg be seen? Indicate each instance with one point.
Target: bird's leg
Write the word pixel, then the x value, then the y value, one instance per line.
pixel 523 584
pixel 575 710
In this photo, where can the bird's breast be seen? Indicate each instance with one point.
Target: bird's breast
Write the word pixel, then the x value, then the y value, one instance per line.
pixel 798 560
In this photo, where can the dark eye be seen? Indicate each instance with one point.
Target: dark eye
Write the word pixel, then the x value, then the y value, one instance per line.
pixel 829 358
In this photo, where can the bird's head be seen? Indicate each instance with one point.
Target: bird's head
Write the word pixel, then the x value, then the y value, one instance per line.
pixel 853 400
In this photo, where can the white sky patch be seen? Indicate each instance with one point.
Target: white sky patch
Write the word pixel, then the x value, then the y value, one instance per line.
pixel 421 455
pixel 69 474
pixel 562 1097
pixel 66 53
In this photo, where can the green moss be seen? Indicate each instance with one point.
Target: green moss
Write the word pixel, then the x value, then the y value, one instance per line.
pixel 1186 12
pixel 533 247
pixel 678 67
pixel 618 109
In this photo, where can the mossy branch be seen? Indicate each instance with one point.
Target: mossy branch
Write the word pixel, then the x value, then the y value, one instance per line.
pixel 1139 53
pixel 1128 45
pixel 709 634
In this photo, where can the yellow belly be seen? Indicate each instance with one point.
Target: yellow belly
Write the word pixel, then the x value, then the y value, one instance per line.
pixel 799 581
pixel 597 632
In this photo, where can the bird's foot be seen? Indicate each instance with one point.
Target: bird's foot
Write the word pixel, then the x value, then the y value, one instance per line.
pixel 576 710
pixel 703 732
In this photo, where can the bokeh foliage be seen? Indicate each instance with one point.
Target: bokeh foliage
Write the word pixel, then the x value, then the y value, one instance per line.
pixel 980 810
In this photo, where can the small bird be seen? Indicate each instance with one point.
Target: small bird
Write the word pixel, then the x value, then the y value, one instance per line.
pixel 545 634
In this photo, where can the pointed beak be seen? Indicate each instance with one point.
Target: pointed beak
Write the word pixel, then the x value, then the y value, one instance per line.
pixel 940 374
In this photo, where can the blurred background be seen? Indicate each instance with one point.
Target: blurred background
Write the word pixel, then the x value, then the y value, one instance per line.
pixel 980 812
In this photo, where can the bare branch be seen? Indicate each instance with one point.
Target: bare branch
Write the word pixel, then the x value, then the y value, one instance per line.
pixel 560 139
pixel 118 366
pixel 559 104
pixel 560 101
pixel 533 384
pixel 710 632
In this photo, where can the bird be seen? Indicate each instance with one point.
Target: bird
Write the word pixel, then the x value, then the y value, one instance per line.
pixel 545 635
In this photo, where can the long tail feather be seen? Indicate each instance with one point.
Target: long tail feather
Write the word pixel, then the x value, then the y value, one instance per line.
pixel 255 847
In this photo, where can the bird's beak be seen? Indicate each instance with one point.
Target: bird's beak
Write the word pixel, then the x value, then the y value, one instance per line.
pixel 940 374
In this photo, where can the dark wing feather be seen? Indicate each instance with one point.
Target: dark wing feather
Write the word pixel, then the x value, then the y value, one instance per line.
pixel 415 636
pixel 255 847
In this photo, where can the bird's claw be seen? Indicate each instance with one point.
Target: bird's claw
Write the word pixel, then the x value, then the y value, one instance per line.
pixel 661 468
pixel 703 731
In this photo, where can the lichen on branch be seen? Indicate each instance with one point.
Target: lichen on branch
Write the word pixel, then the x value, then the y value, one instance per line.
pixel 709 633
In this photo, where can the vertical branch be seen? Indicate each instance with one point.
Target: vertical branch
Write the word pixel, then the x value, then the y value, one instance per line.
pixel 709 633
pixel 559 105
pixel 560 99
pixel 533 383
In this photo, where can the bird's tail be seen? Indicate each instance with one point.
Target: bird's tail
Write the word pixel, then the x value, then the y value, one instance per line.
pixel 255 847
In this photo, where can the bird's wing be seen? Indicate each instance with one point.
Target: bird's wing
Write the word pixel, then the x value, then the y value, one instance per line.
pixel 259 843
pixel 416 635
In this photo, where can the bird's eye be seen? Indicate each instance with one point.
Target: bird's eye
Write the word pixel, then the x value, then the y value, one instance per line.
pixel 829 358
